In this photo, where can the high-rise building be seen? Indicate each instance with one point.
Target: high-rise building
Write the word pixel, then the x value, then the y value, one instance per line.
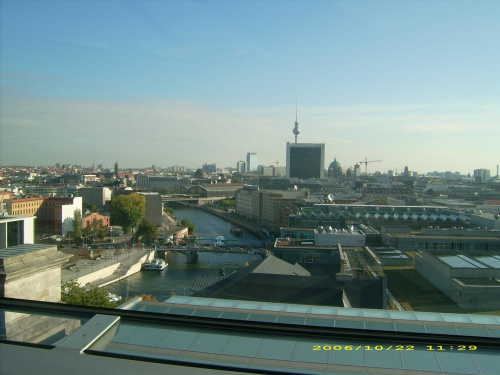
pixel 481 175
pixel 209 168
pixel 241 166
pixel 305 160
pixel 252 162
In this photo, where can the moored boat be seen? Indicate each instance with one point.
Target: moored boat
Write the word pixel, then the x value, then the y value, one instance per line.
pixel 155 265
pixel 220 241
pixel 237 231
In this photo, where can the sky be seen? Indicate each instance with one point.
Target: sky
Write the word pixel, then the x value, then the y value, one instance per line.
pixel 410 83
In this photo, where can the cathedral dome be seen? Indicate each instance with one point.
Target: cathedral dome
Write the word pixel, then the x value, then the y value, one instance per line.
pixel 199 174
pixel 335 169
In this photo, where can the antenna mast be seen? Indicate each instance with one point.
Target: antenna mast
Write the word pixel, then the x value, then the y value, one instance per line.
pixel 296 129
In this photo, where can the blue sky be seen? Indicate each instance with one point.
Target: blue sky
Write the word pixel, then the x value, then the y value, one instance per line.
pixel 186 83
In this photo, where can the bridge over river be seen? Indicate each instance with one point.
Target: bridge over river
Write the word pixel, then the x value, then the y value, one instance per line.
pixel 192 251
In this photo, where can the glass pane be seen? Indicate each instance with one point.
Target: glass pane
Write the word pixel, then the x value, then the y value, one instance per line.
pixel 379 326
pixel 277 349
pixel 262 318
pixel 356 324
pixel 400 327
pixel 320 322
pixel 420 360
pixel 207 313
pixel 291 320
pixel 234 315
pixel 457 362
pixel 36 328
pixel 243 346
pixel 299 308
pixel 371 313
pixel 384 358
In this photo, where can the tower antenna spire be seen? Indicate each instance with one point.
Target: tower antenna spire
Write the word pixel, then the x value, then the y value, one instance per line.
pixel 296 129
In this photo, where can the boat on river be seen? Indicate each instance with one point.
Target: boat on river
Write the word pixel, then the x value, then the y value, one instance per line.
pixel 220 241
pixel 237 231
pixel 155 265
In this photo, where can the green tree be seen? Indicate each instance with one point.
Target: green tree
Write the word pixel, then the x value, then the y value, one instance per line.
pixel 77 224
pixel 97 229
pixel 128 210
pixel 72 293
pixel 169 210
pixel 147 231
pixel 188 223
pixel 227 203
pixel 90 206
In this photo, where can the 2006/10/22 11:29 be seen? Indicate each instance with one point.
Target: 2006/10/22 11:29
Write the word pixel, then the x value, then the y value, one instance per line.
pixel 393 347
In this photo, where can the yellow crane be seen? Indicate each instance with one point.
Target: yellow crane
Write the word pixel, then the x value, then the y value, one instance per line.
pixel 365 162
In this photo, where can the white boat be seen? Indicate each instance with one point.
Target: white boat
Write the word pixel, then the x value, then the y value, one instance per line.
pixel 155 265
pixel 219 241
pixel 114 297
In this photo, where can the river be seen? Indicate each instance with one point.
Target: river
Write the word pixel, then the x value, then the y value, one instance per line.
pixel 179 275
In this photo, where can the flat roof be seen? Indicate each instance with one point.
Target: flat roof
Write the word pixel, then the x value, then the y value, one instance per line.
pixel 256 336
pixel 475 281
pixel 14 251
pixel 464 261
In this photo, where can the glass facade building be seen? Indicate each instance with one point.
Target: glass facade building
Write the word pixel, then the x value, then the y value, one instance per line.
pixel 305 160
pixel 252 162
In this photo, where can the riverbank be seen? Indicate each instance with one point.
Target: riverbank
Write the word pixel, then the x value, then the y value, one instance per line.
pixel 232 219
pixel 110 268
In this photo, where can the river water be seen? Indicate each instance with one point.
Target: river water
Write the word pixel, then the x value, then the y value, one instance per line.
pixel 179 275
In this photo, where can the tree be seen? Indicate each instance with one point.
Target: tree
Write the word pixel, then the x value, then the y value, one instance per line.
pixel 128 210
pixel 148 231
pixel 97 229
pixel 188 223
pixel 77 224
pixel 90 206
pixel 170 211
pixel 227 203
pixel 73 294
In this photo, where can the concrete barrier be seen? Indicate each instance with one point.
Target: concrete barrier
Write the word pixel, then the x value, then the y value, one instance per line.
pixel 99 274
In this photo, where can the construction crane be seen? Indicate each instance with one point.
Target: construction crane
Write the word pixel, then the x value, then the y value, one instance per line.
pixel 365 162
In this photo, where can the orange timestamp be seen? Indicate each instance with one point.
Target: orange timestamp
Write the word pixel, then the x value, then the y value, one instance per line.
pixel 393 347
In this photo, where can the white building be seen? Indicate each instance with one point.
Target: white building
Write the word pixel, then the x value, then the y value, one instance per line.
pixel 346 237
pixel 16 230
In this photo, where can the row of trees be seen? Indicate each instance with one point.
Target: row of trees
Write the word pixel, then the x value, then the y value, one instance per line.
pixel 127 211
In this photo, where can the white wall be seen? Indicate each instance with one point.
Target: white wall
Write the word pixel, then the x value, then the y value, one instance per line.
pixel 67 213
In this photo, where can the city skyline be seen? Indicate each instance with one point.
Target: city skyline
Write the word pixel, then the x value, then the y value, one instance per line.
pixel 186 83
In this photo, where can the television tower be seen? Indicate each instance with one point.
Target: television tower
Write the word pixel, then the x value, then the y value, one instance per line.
pixel 296 129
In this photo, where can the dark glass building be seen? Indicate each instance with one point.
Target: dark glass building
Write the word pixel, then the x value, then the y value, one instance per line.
pixel 305 160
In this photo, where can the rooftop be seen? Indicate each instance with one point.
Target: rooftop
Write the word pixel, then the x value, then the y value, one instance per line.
pixel 255 337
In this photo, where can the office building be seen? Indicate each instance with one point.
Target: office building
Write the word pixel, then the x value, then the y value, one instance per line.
pixel 305 160
pixel 469 280
pixel 241 166
pixel 252 162
pixel 481 175
pixel 95 195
